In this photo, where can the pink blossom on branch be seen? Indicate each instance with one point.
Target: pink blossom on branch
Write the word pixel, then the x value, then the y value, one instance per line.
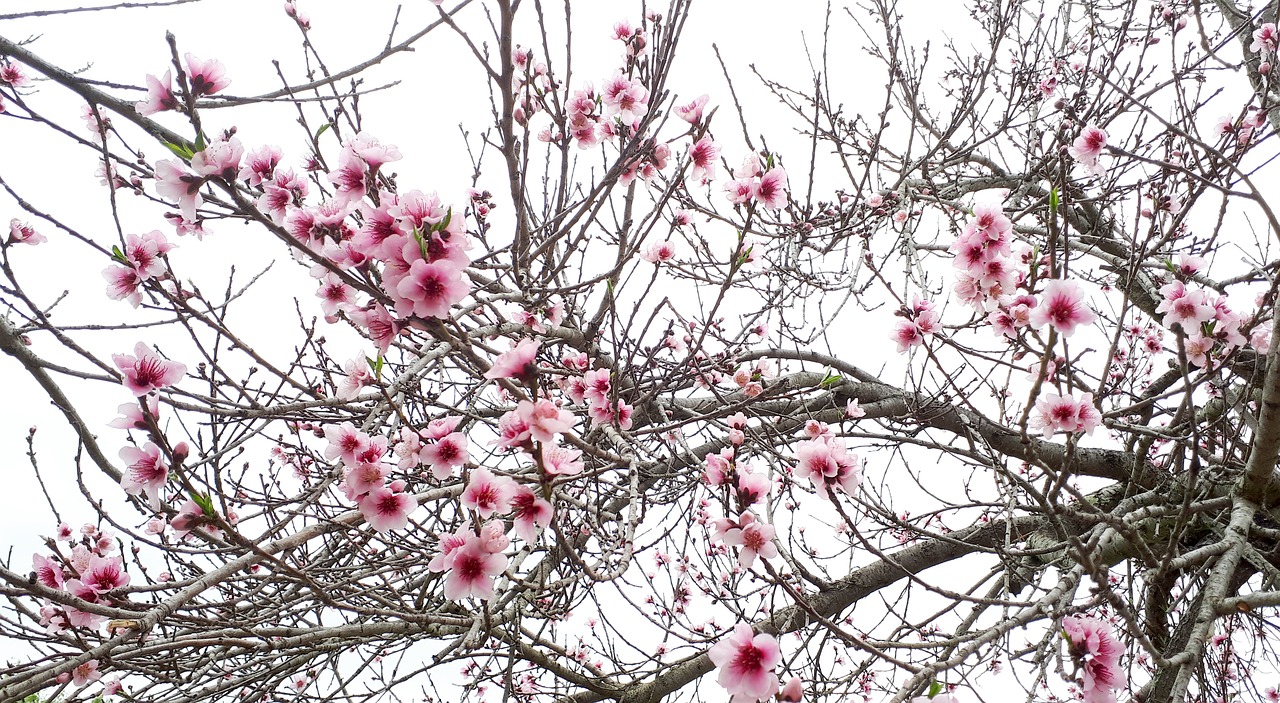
pixel 1265 40
pixel 530 513
pixel 488 494
pixel 692 112
pixel 1062 306
pixel 755 539
pixel 473 565
pixel 147 472
pixel 1058 413
pixel 387 508
pixel 1097 653
pixel 1088 147
pixel 746 661
pixel 145 371
pixel 519 363
pixel 23 233
pixel 160 97
pixel 771 190
pixel 205 77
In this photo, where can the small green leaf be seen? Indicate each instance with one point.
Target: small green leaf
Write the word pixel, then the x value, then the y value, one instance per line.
pixel 831 379
pixel 118 255
pixel 442 225
pixel 200 143
pixel 934 689
pixel 376 366
pixel 205 503
pixel 1053 201
pixel 422 243
pixel 179 150
pixel 323 128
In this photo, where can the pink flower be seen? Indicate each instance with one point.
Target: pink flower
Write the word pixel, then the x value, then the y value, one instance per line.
pixel 989 223
pixel 431 289
pixel 746 663
pixel 702 156
pixel 386 508
pixel 48 572
pixel 739 190
pixel 530 513
pixel 146 371
pixel 104 574
pixel 442 427
pixel 545 419
pixel 519 363
pixel 472 570
pixel 205 77
pixel 160 96
pixel 513 431
pixel 771 190
pixel 12 75
pixel 174 182
pixel 349 178
pixel 86 673
pixel 907 334
pixel 488 494
pixel 147 471
pixel 219 159
pixel 1088 147
pixel 345 441
pixel 1183 307
pixel 446 454
pixel 362 477
pixel 23 233
pixel 1095 650
pixel 260 166
pixel 559 460
pixel 1066 414
pixel 357 376
pixel 755 538
pixel 659 252
pixel 1062 306
pixel 826 464
pixel 145 252
pixel 692 112
pixel 377 321
pixel 1265 39
pixel 752 487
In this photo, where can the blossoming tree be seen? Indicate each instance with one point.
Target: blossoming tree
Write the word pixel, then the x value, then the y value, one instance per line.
pixel 962 390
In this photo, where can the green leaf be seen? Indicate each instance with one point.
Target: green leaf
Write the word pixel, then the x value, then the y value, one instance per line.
pixel 323 128
pixel 422 243
pixel 1053 201
pixel 376 366
pixel 205 503
pixel 442 225
pixel 200 143
pixel 831 379
pixel 934 689
pixel 179 150
pixel 118 255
